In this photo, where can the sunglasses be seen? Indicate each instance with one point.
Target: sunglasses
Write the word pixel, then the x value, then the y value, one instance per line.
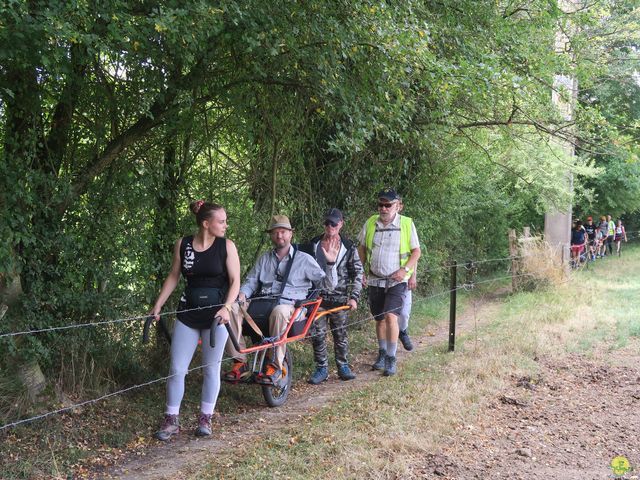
pixel 330 223
pixel 385 205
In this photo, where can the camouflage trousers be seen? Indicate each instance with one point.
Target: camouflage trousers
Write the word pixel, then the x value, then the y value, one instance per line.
pixel 318 332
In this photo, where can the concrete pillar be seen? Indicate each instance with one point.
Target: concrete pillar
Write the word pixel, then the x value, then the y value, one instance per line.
pixel 557 223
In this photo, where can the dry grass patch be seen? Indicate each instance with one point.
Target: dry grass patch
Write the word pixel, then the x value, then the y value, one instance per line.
pixel 540 263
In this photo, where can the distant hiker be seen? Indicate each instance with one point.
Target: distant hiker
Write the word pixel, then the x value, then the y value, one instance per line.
pixel 603 229
pixel 591 229
pixel 611 233
pixel 389 249
pixel 578 242
pixel 211 267
pixel 620 234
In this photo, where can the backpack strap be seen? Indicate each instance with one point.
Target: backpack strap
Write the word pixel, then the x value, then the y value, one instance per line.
pixel 286 274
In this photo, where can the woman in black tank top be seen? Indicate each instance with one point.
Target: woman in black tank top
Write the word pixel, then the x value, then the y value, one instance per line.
pixel 207 282
pixel 211 266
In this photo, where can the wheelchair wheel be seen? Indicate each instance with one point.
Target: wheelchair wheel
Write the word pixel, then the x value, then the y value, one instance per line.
pixel 276 395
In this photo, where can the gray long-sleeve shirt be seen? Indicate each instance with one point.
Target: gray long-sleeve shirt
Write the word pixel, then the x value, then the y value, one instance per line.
pixel 266 277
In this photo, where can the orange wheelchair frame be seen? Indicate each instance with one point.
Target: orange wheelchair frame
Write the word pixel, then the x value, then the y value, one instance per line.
pixel 276 394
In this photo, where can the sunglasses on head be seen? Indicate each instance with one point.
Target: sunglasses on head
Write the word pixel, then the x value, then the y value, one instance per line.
pixel 384 205
pixel 330 223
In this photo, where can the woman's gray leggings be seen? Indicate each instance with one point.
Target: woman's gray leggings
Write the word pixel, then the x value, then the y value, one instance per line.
pixel 183 345
pixel 405 313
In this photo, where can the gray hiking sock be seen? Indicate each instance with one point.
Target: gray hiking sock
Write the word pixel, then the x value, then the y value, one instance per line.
pixel 392 348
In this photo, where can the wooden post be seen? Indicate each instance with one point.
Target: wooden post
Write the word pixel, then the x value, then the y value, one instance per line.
pixel 452 307
pixel 513 252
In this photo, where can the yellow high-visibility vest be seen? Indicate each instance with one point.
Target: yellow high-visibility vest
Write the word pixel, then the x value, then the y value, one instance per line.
pixel 405 238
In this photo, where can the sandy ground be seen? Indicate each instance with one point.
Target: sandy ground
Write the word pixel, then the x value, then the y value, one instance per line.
pixel 569 423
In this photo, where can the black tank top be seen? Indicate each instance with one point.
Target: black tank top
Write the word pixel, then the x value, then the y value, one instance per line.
pixel 203 269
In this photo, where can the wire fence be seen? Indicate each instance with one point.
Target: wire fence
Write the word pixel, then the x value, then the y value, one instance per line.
pixel 185 310
pixel 467 286
pixel 86 403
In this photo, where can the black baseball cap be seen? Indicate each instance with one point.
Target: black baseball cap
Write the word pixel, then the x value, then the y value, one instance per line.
pixel 388 194
pixel 334 215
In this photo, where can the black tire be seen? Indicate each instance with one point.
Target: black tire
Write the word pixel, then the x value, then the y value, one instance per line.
pixel 276 395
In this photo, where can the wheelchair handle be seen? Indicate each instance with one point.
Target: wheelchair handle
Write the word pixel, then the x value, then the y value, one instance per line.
pixel 232 337
pixel 161 324
pixel 145 330
pixel 212 331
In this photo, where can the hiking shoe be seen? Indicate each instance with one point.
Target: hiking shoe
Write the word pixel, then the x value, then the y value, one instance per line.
pixel 170 426
pixel 345 373
pixel 204 425
pixel 389 366
pixel 319 376
pixel 379 364
pixel 271 375
pixel 239 371
pixel 405 340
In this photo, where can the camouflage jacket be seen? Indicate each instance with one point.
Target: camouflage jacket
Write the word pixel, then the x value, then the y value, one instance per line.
pixel 348 268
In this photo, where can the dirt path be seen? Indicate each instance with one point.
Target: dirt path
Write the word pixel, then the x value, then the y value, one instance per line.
pixel 569 423
pixel 173 460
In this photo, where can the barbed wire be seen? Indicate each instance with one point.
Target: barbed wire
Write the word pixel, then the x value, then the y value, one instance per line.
pixel 143 317
pixel 160 379
pixel 104 322
pixel 464 286
pixel 120 320
pixel 468 264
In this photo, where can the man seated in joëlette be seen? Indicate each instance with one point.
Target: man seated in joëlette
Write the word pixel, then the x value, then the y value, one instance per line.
pixel 267 278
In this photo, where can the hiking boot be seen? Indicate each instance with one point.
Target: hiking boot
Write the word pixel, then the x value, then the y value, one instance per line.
pixel 204 425
pixel 170 426
pixel 239 371
pixel 389 366
pixel 271 375
pixel 319 376
pixel 345 373
pixel 404 338
pixel 379 365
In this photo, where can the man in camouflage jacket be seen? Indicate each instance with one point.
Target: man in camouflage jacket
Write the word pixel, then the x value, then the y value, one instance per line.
pixel 349 270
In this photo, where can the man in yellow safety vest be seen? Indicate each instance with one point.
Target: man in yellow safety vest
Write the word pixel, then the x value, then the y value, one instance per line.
pixel 389 249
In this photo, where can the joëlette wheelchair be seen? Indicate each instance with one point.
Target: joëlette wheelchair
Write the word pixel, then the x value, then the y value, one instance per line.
pixel 304 314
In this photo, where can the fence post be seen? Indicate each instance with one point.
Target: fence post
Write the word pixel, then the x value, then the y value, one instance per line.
pixel 452 308
pixel 513 252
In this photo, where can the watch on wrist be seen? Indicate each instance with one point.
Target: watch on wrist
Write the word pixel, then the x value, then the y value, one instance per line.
pixel 406 269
